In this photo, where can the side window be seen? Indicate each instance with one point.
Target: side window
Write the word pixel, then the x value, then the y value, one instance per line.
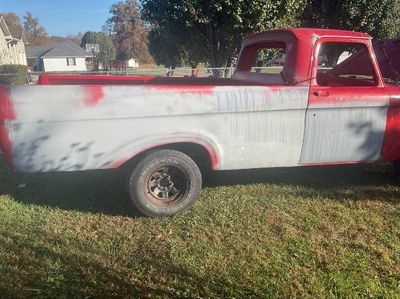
pixel 345 64
pixel 269 60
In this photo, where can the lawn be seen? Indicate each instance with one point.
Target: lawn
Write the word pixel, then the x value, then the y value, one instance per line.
pixel 151 71
pixel 303 232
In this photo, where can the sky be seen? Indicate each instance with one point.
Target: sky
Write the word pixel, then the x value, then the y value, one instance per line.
pixel 62 17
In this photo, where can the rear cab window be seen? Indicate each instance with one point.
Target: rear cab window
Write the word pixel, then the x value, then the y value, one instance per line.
pixel 269 60
pixel 264 62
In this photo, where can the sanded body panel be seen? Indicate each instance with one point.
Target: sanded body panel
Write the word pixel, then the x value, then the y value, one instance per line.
pixel 343 134
pixel 93 127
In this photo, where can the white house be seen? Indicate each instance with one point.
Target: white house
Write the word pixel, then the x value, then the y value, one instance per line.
pixel 133 62
pixel 64 57
pixel 12 49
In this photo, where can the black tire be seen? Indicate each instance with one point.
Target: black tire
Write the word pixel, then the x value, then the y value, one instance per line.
pixel 164 183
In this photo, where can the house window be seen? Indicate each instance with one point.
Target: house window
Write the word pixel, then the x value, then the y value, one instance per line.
pixel 71 61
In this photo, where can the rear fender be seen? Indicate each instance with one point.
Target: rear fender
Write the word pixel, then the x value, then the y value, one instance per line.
pixel 136 148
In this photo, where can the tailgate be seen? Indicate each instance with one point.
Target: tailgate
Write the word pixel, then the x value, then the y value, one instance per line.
pixel 6 115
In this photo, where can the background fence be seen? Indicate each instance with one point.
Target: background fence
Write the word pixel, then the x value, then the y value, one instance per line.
pixel 224 72
pixel 32 77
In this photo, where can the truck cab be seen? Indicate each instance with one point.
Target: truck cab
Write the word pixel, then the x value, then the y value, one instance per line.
pixel 353 99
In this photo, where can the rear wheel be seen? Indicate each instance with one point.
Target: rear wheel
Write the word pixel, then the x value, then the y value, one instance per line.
pixel 164 182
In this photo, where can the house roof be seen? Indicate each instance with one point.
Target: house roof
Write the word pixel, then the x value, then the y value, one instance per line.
pixel 65 49
pixel 21 35
pixel 36 51
pixel 16 34
pixel 4 27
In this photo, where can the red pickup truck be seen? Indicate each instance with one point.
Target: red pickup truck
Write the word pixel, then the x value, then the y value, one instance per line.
pixel 298 97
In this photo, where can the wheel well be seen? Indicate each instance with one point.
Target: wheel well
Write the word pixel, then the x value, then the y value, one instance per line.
pixel 198 153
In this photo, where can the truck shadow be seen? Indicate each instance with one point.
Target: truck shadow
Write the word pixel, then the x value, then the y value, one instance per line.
pixel 105 191
pixel 319 177
pixel 92 191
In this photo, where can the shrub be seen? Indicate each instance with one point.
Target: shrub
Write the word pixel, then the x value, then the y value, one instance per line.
pixel 12 74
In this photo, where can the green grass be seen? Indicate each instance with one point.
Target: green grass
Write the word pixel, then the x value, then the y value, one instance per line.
pixel 268 70
pixel 304 232
pixel 153 71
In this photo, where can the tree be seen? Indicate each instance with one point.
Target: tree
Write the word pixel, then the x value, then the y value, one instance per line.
pixel 107 50
pixel 380 18
pixel 171 54
pixel 129 35
pixel 13 23
pixel 212 30
pixel 76 38
pixel 168 50
pixel 35 33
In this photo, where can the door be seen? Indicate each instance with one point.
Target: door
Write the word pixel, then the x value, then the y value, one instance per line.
pixel 346 114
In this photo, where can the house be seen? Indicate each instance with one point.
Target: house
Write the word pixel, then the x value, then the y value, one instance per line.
pixel 12 48
pixel 64 57
pixel 133 62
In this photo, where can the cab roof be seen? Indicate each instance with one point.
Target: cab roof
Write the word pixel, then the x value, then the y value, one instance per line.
pixel 306 34
pixel 299 44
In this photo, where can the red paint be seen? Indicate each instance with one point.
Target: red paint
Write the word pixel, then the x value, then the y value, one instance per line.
pixel 387 53
pixel 388 56
pixel 43 80
pixel 391 142
pixel 337 90
pixel 63 79
pixel 95 94
pixel 306 33
pixel 337 95
pixel 118 163
pixel 161 82
pixel 212 153
pixel 6 113
pixel 299 44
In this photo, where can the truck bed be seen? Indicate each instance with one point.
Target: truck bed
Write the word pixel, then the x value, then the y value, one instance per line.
pixel 63 79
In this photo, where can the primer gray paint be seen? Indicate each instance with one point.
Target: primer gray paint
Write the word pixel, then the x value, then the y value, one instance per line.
pixel 248 127
pixel 346 133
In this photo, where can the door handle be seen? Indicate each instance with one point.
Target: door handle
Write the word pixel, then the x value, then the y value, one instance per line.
pixel 321 93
